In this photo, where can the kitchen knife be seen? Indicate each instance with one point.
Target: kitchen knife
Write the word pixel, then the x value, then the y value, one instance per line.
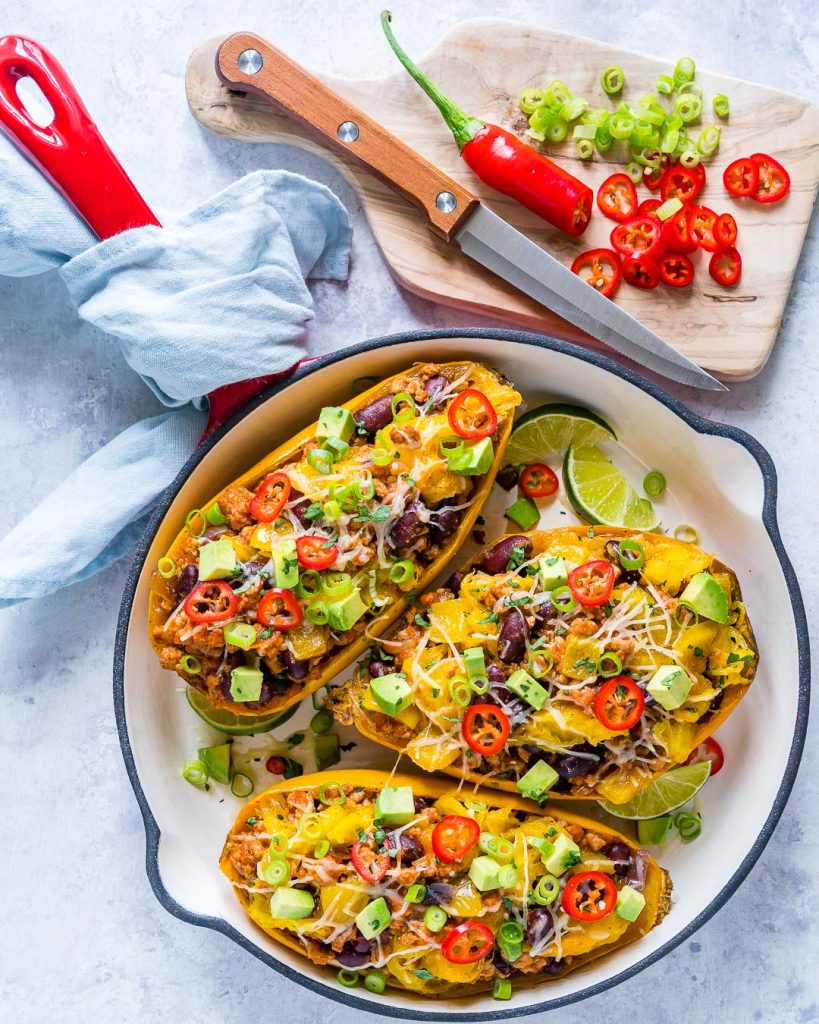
pixel 247 63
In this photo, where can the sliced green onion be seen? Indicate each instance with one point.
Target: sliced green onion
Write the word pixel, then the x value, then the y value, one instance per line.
pixel 336 448
pixel 349 979
pixel 380 457
pixel 574 108
pixel 540 663
pixel 596 116
pixel 416 893
pixel 563 599
pixel 511 931
pixel 687 608
pixel 621 126
pixel 584 131
pixel 603 140
pixel 337 584
pixel 241 785
pixel 320 460
pixel 688 825
pixel 722 107
pixel 278 844
pixel 689 88
pixel 634 171
pixel 365 488
pixel 345 495
pixel 317 613
pixel 460 691
pixel 664 84
pixel 612 79
pixel 708 141
pixel 686 533
pixel 496 846
pixel 501 988
pixel 194 529
pixel 275 871
pixel 668 208
pixel 508 877
pixel 632 555
pixel 475 807
pixel 402 571
pixel 196 773
pixel 669 140
pixel 311 827
pixel 322 849
pixel 557 130
pixel 403 407
pixel 434 918
pixel 362 384
pixel 654 483
pixel 684 70
pixel 609 665
pixel 190 664
pixel 166 567
pixel 530 99
pixel 215 516
pixel 558 93
pixel 321 721
pixel 546 890
pixel 673 122
pixel 584 149
pixel 450 445
pixel 325 788
pixel 479 684
pixel 375 981
pixel 649 115
pixel 689 107
pixel 543 117
pixel 331 510
pixel 309 584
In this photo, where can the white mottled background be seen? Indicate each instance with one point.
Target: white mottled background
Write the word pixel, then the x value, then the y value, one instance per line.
pixel 81 936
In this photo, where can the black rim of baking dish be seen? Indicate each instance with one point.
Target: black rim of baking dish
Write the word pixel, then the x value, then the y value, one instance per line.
pixel 702 426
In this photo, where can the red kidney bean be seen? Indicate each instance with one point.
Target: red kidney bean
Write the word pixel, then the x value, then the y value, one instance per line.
pixel 442 524
pixel 188 579
pixel 621 855
pixel 378 668
pixel 435 384
pixel 376 415
pixel 539 924
pixel 512 636
pixel 411 849
pixel 497 558
pixel 408 528
pixel 294 667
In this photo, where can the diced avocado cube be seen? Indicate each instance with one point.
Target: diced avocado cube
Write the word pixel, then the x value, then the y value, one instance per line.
pixel 485 873
pixel 374 918
pixel 475 663
pixel 345 611
pixel 654 831
pixel 474 459
pixel 240 634
pixel 706 597
pixel 524 512
pixel 246 683
pixel 335 422
pixel 553 571
pixel 669 686
pixel 560 855
pixel 392 693
pixel 285 564
pixel 629 903
pixel 217 560
pixel 289 904
pixel 395 805
pixel 537 782
pixel 217 761
pixel 521 683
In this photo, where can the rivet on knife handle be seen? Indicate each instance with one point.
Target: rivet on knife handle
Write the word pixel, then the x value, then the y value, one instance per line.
pixel 246 61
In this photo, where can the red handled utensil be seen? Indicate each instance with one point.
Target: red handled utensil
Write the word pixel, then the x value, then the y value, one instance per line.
pixel 72 154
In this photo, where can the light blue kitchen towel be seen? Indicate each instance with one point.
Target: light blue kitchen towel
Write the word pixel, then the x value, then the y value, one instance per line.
pixel 215 296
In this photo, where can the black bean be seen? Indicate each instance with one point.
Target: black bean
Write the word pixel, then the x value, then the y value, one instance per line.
pixel 376 415
pixel 552 966
pixel 512 636
pixel 378 668
pixel 435 384
pixel 294 667
pixel 503 967
pixel 611 552
pixel 497 558
pixel 621 855
pixel 411 849
pixel 355 953
pixel 455 580
pixel 508 477
pixel 408 528
pixel 443 525
pixel 420 803
pixel 570 765
pixel 188 579
pixel 539 925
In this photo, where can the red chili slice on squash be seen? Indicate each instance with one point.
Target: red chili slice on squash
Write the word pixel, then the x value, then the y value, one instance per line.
pixel 726 267
pixel 708 750
pixel 741 178
pixel 468 943
pixel 600 268
pixel 638 236
pixel 313 554
pixel 640 271
pixel 211 601
pixel 592 583
pixel 370 865
pixel 701 224
pixel 676 269
pixel 485 729
pixel 472 415
pixel 538 481
pixel 589 896
pixel 725 230
pixel 454 836
pixel 270 498
pixel 619 704
pixel 617 197
pixel 677 233
pixel 280 609
pixel 774 181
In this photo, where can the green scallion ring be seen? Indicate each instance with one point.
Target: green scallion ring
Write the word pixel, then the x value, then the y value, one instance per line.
pixel 501 988
pixel 317 613
pixel 584 149
pixel 196 773
pixel 450 445
pixel 475 806
pixel 194 531
pixel 460 691
pixel 399 414
pixel 689 107
pixel 402 571
pixel 688 825
pixel 669 140
pixel 585 131
pixel 614 663
pixel 708 141
pixel 634 171
pixel 215 516
pixel 498 847
pixel 557 130
pixel 686 607
pixel 722 108
pixel 322 849
pixel 311 827
pixel 511 931
pixel 574 108
pixel 416 893
pixel 435 918
pixel 380 457
pixel 540 663
pixel 558 93
pixel 166 567
pixel 479 684
pixel 278 844
pixel 320 460
pixel 686 533
pixel 621 126
pixel 335 447
pixel 362 384
pixel 690 158
pixel 375 981
pixel 563 599
pixel 612 79
pixel 321 721
pixel 654 484
pixel 332 801
pixel 190 664
pixel 365 488
pixel 603 139
pixel 664 84
pixel 684 70
pixel 546 890
pixel 349 979
pixel 530 99
pixel 337 584
pixel 309 584
pixel 508 877
pixel 276 871
pixel 331 510
pixel 632 555
pixel 241 785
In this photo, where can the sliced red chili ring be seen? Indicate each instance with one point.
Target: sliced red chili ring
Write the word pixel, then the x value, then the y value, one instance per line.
pixel 485 728
pixel 726 267
pixel 641 271
pixel 211 601
pixel 280 609
pixel 454 836
pixel 538 481
pixel 619 704
pixel 774 181
pixel 683 183
pixel 652 177
pixel 708 750
pixel 370 865
pixel 701 223
pixel 649 207
pixel 270 497
pixel 725 230
pixel 592 583
pixel 677 233
pixel 617 197
pixel 468 943
pixel 600 268
pixel 313 553
pixel 741 177
pixel 589 896
pixel 275 765
pixel 676 269
pixel 638 236
pixel 472 415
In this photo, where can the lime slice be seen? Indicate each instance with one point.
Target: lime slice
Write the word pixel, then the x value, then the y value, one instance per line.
pixel 601 494
pixel 664 794
pixel 550 429
pixel 232 724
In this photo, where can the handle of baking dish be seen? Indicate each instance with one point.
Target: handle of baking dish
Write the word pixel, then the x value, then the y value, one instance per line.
pixel 68 149
pixel 248 63
pixel 227 400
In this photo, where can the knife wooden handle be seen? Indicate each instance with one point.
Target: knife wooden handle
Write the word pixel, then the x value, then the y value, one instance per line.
pixel 247 62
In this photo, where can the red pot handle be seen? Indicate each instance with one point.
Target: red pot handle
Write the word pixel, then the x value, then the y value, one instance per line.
pixel 74 157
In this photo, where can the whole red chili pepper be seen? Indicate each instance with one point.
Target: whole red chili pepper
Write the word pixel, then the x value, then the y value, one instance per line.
pixel 503 162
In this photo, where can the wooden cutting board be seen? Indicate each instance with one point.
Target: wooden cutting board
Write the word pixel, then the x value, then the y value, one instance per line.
pixel 484 64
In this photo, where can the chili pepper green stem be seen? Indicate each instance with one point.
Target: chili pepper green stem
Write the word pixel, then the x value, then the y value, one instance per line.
pixel 462 125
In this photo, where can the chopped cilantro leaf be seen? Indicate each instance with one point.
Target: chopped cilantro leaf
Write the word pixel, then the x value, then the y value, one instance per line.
pixel 313 510
pixel 421 621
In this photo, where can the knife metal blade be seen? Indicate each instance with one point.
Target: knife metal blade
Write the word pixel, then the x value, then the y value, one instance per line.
pixel 501 248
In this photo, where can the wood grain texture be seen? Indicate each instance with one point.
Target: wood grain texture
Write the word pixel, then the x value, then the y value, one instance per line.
pixel 484 64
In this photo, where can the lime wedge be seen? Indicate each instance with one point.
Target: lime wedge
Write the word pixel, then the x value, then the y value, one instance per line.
pixel 664 794
pixel 550 429
pixel 231 724
pixel 601 494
